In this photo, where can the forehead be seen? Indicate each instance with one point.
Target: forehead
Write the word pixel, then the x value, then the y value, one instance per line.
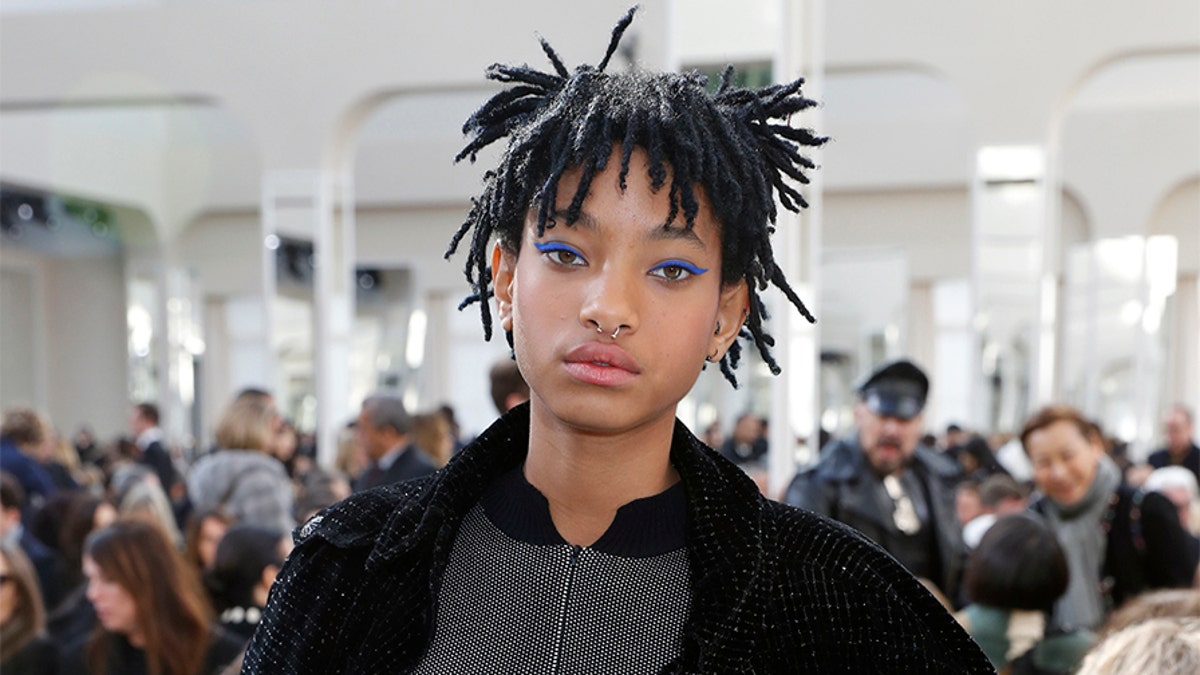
pixel 616 197
pixel 1056 436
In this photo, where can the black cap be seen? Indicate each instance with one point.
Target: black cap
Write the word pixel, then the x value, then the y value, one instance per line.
pixel 895 389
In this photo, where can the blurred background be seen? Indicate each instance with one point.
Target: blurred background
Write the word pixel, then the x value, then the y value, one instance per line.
pixel 203 195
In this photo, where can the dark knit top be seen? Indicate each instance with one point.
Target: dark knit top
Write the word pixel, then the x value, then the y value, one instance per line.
pixel 516 597
pixel 774 589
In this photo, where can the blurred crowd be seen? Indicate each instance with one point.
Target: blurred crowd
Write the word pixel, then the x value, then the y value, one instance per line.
pixel 1055 551
pixel 123 557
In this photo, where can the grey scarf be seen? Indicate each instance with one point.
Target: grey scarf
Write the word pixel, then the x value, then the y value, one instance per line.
pixel 1084 541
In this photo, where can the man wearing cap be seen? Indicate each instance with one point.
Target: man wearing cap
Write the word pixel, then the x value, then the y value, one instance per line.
pixel 881 481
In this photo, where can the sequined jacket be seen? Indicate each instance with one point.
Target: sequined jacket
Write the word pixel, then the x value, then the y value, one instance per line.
pixel 774 589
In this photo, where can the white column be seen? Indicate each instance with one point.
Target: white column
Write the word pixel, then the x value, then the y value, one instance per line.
pixel 795 408
pixel 316 206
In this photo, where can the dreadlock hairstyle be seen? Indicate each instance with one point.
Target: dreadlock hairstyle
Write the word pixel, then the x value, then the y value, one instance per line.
pixel 735 144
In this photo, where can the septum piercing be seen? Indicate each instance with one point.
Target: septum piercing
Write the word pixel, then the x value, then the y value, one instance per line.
pixel 614 333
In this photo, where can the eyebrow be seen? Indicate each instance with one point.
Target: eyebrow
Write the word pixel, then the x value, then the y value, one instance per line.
pixel 664 233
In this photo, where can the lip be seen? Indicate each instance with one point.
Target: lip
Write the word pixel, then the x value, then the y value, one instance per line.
pixel 601 364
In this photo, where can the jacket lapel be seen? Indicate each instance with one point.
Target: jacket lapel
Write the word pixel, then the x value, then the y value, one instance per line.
pixel 725 534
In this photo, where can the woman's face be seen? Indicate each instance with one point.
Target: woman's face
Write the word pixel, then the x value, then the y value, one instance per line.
pixel 567 293
pixel 1064 461
pixel 211 532
pixel 8 591
pixel 114 605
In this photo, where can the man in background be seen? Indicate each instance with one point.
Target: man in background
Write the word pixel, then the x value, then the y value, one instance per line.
pixel 881 481
pixel 1180 449
pixel 383 433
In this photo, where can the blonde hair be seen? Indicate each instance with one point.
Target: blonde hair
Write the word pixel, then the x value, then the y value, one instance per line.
pixel 1182 603
pixel 432 434
pixel 247 424
pixel 1155 647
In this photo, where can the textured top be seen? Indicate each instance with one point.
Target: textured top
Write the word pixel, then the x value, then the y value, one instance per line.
pixel 617 606
pixel 774 589
pixel 252 486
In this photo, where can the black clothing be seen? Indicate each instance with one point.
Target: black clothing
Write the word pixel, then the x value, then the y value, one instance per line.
pixel 155 456
pixel 73 619
pixel 125 659
pixel 842 486
pixel 38 657
pixel 412 463
pixel 774 589
pixel 1146 547
pixel 511 573
pixel 1191 460
pixel 47 563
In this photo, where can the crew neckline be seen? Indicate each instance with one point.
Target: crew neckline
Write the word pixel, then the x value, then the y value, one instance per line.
pixel 643 528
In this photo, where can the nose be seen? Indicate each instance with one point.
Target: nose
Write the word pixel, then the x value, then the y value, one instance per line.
pixel 610 302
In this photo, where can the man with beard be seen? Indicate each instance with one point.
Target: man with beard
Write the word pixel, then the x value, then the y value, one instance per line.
pixel 881 481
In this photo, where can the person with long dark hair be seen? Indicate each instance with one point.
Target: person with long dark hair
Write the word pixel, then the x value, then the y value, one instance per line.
pixel 24 647
pixel 152 615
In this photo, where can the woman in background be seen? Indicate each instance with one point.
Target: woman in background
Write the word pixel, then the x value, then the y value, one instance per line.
pixel 1012 580
pixel 152 615
pixel 1119 541
pixel 247 560
pixel 24 647
pixel 244 477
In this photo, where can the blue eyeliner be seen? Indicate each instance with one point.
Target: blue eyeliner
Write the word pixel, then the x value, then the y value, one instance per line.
pixel 554 246
pixel 692 269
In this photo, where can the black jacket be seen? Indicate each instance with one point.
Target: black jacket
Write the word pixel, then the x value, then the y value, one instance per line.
pixel 412 463
pixel 1146 547
pixel 841 486
pixel 774 589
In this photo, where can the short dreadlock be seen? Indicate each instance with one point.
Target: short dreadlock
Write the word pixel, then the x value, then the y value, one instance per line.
pixel 726 142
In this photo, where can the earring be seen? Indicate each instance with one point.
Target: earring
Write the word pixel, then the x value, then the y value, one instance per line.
pixel 718 330
pixel 711 357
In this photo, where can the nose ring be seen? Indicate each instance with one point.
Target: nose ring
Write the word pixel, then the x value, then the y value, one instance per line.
pixel 614 333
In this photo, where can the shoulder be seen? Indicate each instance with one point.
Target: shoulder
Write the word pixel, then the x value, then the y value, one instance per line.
pixel 842 593
pixel 937 463
pixel 840 460
pixel 359 519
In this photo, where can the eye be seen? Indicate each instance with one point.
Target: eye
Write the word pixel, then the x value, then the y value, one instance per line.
pixel 676 270
pixel 560 253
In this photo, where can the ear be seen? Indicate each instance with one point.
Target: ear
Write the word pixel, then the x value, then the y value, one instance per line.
pixel 732 310
pixel 504 267
pixel 269 573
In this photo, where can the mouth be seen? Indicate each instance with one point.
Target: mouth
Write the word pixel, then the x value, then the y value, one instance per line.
pixel 601 364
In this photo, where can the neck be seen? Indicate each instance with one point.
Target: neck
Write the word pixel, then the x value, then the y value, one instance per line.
pixel 137 638
pixel 587 476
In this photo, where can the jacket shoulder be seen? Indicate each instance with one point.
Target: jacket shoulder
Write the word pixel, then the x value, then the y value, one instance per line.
pixel 360 518
pixel 839 593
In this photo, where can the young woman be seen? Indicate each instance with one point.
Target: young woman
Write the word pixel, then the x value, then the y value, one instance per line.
pixel 24 647
pixel 152 616
pixel 588 530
